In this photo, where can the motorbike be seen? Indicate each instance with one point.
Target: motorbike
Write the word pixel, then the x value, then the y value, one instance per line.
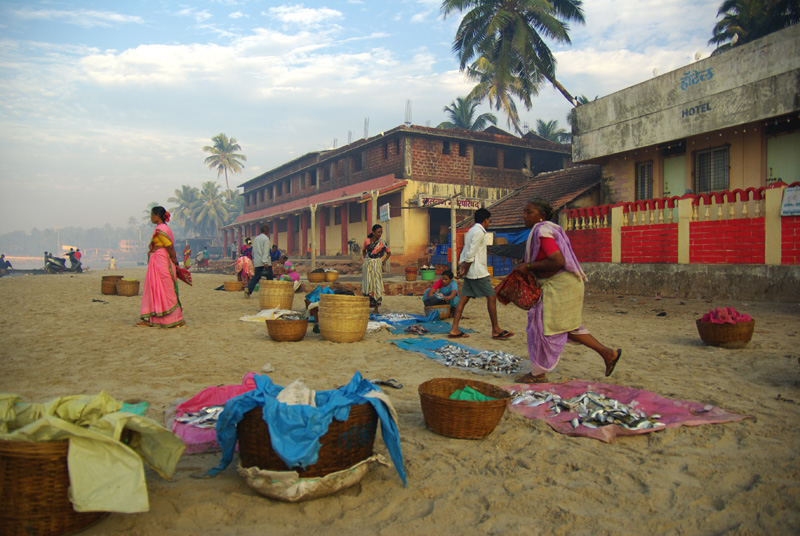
pixel 355 249
pixel 57 265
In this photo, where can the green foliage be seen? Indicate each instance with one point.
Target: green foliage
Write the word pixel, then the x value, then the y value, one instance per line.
pixel 224 157
pixel 462 111
pixel 551 131
pixel 746 20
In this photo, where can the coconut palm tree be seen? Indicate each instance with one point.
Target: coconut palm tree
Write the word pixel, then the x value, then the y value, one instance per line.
pixel 551 131
pixel 506 38
pixel 149 210
pixel 186 201
pixel 746 20
pixel 224 157
pixel 462 115
pixel 211 212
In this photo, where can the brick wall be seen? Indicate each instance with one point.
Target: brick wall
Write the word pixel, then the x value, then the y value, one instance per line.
pixel 790 238
pixel 650 243
pixel 739 241
pixel 591 245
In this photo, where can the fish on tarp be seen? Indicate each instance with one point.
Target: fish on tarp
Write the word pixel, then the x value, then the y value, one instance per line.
pixel 205 418
pixel 488 360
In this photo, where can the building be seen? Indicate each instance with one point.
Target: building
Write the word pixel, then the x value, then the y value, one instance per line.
pixel 332 198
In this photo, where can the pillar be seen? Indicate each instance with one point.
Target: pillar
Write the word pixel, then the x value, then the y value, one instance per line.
pixel 312 217
pixel 684 229
pixel 772 225
pixel 225 233
pixel 370 219
pixel 616 234
pixel 344 217
pixel 322 223
pixel 289 234
pixel 304 216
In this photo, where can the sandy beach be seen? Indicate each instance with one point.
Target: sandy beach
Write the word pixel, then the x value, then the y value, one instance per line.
pixel 735 478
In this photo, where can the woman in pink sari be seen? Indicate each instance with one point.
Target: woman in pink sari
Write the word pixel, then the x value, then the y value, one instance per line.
pixel 556 317
pixel 160 304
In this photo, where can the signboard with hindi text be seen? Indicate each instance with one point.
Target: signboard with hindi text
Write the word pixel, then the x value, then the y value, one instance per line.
pixel 383 212
pixel 444 202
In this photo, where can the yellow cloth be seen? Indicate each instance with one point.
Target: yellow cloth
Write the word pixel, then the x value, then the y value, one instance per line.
pixel 105 474
pixel 160 239
pixel 562 302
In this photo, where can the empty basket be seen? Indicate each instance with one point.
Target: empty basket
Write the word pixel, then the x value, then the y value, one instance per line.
pixel 444 310
pixel 461 419
pixel 128 287
pixel 287 330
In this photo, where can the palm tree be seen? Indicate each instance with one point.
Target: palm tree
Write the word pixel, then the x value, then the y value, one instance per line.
pixel 149 210
pixel 224 157
pixel 746 20
pixel 506 37
pixel 211 212
pixel 462 111
pixel 235 207
pixel 551 131
pixel 186 200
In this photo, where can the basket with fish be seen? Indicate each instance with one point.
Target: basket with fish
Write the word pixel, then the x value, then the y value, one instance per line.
pixel 287 328
pixel 344 444
pixel 461 419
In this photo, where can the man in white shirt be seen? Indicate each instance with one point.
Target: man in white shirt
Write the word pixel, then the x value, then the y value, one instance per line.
pixel 477 281
pixel 261 261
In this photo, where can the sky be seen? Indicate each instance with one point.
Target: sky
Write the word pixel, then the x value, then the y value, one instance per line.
pixel 106 106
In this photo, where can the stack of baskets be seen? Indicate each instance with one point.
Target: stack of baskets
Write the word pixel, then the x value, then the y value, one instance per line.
pixel 444 310
pixel 276 295
pixel 461 419
pixel 343 318
pixel 128 287
pixel 411 273
pixel 34 488
pixel 287 330
pixel 729 336
pixel 343 445
pixel 233 286
pixel 109 284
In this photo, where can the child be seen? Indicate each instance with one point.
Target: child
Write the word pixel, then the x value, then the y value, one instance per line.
pixel 444 291
pixel 289 273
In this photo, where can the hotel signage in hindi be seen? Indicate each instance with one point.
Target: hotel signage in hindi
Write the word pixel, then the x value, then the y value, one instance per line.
pixel 383 212
pixel 443 202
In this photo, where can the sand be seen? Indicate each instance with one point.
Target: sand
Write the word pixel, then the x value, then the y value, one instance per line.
pixel 734 478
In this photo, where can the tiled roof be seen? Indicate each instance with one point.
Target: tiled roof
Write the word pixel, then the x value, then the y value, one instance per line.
pixel 557 187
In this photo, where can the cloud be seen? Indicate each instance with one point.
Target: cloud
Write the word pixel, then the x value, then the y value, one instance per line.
pixel 198 16
pixel 236 15
pixel 300 15
pixel 80 17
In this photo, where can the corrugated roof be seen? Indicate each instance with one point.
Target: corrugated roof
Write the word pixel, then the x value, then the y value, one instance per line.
pixel 557 187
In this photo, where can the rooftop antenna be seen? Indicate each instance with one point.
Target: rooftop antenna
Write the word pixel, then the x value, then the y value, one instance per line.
pixel 408 112
pixel 428 123
pixel 366 127
pixel 334 143
pixel 525 127
pixel 349 137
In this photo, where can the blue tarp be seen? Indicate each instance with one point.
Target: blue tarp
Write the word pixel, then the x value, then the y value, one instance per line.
pixel 431 321
pixel 519 237
pixel 295 430
pixel 426 346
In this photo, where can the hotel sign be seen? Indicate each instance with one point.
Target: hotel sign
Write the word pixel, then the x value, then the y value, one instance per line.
pixel 444 202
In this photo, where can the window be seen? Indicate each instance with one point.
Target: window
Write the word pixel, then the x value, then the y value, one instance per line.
pixel 486 156
pixel 357 163
pixel 261 196
pixel 289 186
pixel 355 210
pixel 644 180
pixel 312 176
pixel 445 147
pixel 337 215
pixel 270 192
pixel 385 151
pixel 711 170
pixel 326 174
pixel 397 145
pixel 513 158
pixel 462 149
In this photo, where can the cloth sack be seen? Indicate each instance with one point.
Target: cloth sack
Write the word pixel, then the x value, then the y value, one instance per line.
pixel 519 289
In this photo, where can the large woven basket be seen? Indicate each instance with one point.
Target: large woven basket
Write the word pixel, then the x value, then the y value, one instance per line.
pixel 343 445
pixel 343 318
pixel 316 277
pixel 461 419
pixel 330 277
pixel 287 330
pixel 444 310
pixel 726 335
pixel 128 288
pixel 34 484
pixel 108 284
pixel 276 295
pixel 233 286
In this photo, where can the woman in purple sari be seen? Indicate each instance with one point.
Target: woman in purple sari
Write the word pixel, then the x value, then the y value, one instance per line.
pixel 556 318
pixel 160 304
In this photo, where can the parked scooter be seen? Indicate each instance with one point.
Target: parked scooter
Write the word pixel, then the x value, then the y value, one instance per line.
pixel 56 265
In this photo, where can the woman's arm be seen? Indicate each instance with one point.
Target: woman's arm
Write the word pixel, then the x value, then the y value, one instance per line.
pixel 171 252
pixel 543 268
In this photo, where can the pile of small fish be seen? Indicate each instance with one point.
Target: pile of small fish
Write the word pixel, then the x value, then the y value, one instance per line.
pixel 205 418
pixel 593 409
pixel 488 360
pixel 418 329
pixel 395 317
pixel 292 317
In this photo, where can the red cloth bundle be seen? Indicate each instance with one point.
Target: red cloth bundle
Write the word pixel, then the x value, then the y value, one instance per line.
pixel 519 289
pixel 184 275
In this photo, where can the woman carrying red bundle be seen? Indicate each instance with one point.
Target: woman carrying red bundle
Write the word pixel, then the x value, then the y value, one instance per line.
pixel 160 304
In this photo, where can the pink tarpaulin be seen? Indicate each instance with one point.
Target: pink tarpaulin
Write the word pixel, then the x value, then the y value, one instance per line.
pixel 674 413
pixel 205 439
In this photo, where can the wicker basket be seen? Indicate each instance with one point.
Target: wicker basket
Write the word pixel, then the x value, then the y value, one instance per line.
pixel 316 277
pixel 234 286
pixel 109 284
pixel 343 445
pixel 444 310
pixel 726 335
pixel 330 277
pixel 287 330
pixel 411 276
pixel 343 318
pixel 276 295
pixel 34 481
pixel 461 419
pixel 128 287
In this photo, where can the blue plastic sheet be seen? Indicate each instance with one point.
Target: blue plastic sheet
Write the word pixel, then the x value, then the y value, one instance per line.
pixel 427 346
pixel 294 431
pixel 431 321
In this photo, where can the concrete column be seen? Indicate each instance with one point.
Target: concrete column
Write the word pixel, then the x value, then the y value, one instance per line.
pixel 313 240
pixel 616 234
pixel 225 235
pixel 684 229
pixel 344 217
pixel 772 225
pixel 453 238
pixel 322 221
pixel 370 218
pixel 374 209
pixel 289 234
pixel 303 234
